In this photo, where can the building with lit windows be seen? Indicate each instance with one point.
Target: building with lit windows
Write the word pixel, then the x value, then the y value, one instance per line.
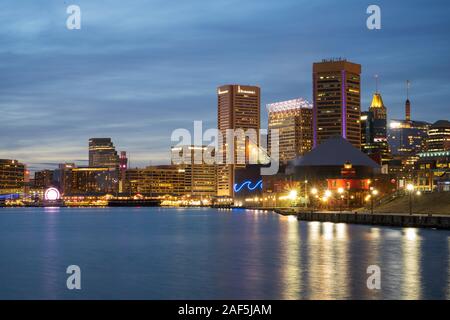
pixel 238 108
pixel 12 176
pixel 89 180
pixel 200 173
pixel 407 138
pixel 43 179
pixel 102 153
pixel 433 171
pixel 374 140
pixel 293 120
pixel 156 181
pixel 439 136
pixel 337 101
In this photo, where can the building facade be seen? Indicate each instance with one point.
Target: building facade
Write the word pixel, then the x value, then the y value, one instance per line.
pixel 43 179
pixel 293 120
pixel 200 173
pixel 407 138
pixel 89 180
pixel 374 141
pixel 12 176
pixel 102 153
pixel 439 136
pixel 156 181
pixel 337 101
pixel 238 108
pixel 433 171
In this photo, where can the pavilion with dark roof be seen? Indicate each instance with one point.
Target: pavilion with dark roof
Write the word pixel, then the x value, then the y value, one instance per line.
pixel 335 165
pixel 328 159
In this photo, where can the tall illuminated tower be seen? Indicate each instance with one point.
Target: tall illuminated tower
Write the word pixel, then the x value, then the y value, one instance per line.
pixel 374 122
pixel 238 108
pixel 337 101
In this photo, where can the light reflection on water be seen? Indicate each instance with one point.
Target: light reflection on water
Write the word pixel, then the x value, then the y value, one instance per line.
pixel 448 277
pixel 291 275
pixel 411 280
pixel 153 253
pixel 327 250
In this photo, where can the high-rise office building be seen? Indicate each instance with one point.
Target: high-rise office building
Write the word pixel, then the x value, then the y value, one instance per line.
pixel 366 130
pixel 407 138
pixel 439 136
pixel 238 108
pixel 337 101
pixel 102 153
pixel 293 120
pixel 374 130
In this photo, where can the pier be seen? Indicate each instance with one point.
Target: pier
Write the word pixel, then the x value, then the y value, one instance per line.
pixel 393 220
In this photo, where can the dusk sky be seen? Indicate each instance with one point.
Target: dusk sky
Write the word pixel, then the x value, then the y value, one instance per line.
pixel 137 70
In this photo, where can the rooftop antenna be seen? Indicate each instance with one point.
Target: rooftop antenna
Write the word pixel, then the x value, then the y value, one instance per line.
pixel 408 103
pixel 376 83
pixel 408 85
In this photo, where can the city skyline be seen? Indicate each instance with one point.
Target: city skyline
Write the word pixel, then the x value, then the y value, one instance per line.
pixel 78 87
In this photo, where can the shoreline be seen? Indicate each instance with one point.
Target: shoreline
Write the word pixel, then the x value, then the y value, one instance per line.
pixel 434 221
pixel 380 219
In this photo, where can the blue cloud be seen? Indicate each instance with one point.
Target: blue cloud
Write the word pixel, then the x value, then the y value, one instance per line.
pixel 138 70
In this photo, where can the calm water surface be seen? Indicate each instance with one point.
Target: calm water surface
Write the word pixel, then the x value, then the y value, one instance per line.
pixel 155 253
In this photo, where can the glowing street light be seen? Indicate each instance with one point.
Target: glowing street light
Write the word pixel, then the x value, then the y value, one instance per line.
pixel 306 194
pixel 314 191
pixel 292 195
pixel 372 197
pixel 328 193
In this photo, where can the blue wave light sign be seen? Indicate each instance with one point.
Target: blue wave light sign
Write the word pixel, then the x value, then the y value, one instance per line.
pixel 248 185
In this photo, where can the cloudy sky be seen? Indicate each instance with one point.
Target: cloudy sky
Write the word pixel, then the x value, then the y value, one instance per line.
pixel 137 70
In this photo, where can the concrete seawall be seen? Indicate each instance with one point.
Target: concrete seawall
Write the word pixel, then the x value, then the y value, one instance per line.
pixel 438 222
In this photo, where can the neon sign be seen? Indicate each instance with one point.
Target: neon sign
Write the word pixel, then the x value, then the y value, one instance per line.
pixel 248 185
pixel 245 91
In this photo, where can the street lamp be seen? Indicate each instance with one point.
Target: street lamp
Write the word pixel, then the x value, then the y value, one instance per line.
pixel 306 194
pixel 410 188
pixel 373 195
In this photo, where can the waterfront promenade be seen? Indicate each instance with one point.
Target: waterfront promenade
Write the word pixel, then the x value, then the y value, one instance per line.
pixel 383 219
